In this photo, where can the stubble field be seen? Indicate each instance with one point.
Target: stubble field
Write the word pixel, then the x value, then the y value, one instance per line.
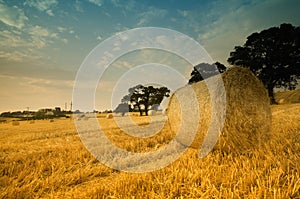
pixel 48 160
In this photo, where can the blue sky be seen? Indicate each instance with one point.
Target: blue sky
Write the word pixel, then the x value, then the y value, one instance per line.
pixel 43 43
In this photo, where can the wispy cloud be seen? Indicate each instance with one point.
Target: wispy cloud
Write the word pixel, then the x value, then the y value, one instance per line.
pixel 12 16
pixel 50 13
pixel 41 36
pixel 96 2
pixel 183 13
pixel 62 29
pixel 128 5
pixel 151 14
pixel 20 45
pixel 10 38
pixel 13 41
pixel 47 83
pixel 17 56
pixel 39 31
pixel 44 5
pixel 78 6
pixel 36 92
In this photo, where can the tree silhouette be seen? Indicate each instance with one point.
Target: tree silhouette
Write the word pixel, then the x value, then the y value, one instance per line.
pixel 205 70
pixel 141 98
pixel 273 55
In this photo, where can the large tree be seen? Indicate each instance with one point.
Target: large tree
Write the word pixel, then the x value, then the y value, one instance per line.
pixel 205 70
pixel 142 98
pixel 273 55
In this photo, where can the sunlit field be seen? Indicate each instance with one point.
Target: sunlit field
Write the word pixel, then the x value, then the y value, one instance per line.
pixel 44 159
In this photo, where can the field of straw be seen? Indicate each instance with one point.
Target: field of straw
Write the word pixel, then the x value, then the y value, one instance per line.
pixel 48 160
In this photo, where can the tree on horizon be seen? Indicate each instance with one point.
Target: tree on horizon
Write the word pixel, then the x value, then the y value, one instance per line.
pixel 142 98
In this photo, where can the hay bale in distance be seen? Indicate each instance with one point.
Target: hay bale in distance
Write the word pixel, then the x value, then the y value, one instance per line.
pixel 151 112
pixel 109 116
pixel 248 115
pixel 15 123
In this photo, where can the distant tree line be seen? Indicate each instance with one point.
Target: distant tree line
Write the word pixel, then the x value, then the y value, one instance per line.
pixel 40 114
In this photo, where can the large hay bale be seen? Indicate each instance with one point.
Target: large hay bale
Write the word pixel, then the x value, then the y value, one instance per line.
pixel 248 115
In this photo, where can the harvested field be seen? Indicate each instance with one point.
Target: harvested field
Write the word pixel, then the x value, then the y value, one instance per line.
pixel 48 160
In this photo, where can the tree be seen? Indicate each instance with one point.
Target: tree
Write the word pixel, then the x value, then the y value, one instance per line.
pixel 205 70
pixel 142 98
pixel 273 55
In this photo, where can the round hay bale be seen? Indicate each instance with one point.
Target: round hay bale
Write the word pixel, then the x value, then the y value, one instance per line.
pixel 248 115
pixel 109 116
pixel 15 123
pixel 151 112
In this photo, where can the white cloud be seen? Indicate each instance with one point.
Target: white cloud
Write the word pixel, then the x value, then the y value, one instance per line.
pixel 43 5
pixel 11 39
pixel 34 37
pixel 42 82
pixel 39 31
pixel 41 37
pixel 64 30
pixel 121 64
pixel 17 56
pixel 78 6
pixel 150 14
pixel 96 2
pixel 128 5
pixel 36 92
pixel 183 13
pixel 99 37
pixel 50 13
pixel 61 29
pixel 64 40
pixel 12 16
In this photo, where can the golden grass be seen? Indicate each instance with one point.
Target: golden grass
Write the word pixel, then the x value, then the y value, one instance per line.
pixel 48 160
pixel 288 97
